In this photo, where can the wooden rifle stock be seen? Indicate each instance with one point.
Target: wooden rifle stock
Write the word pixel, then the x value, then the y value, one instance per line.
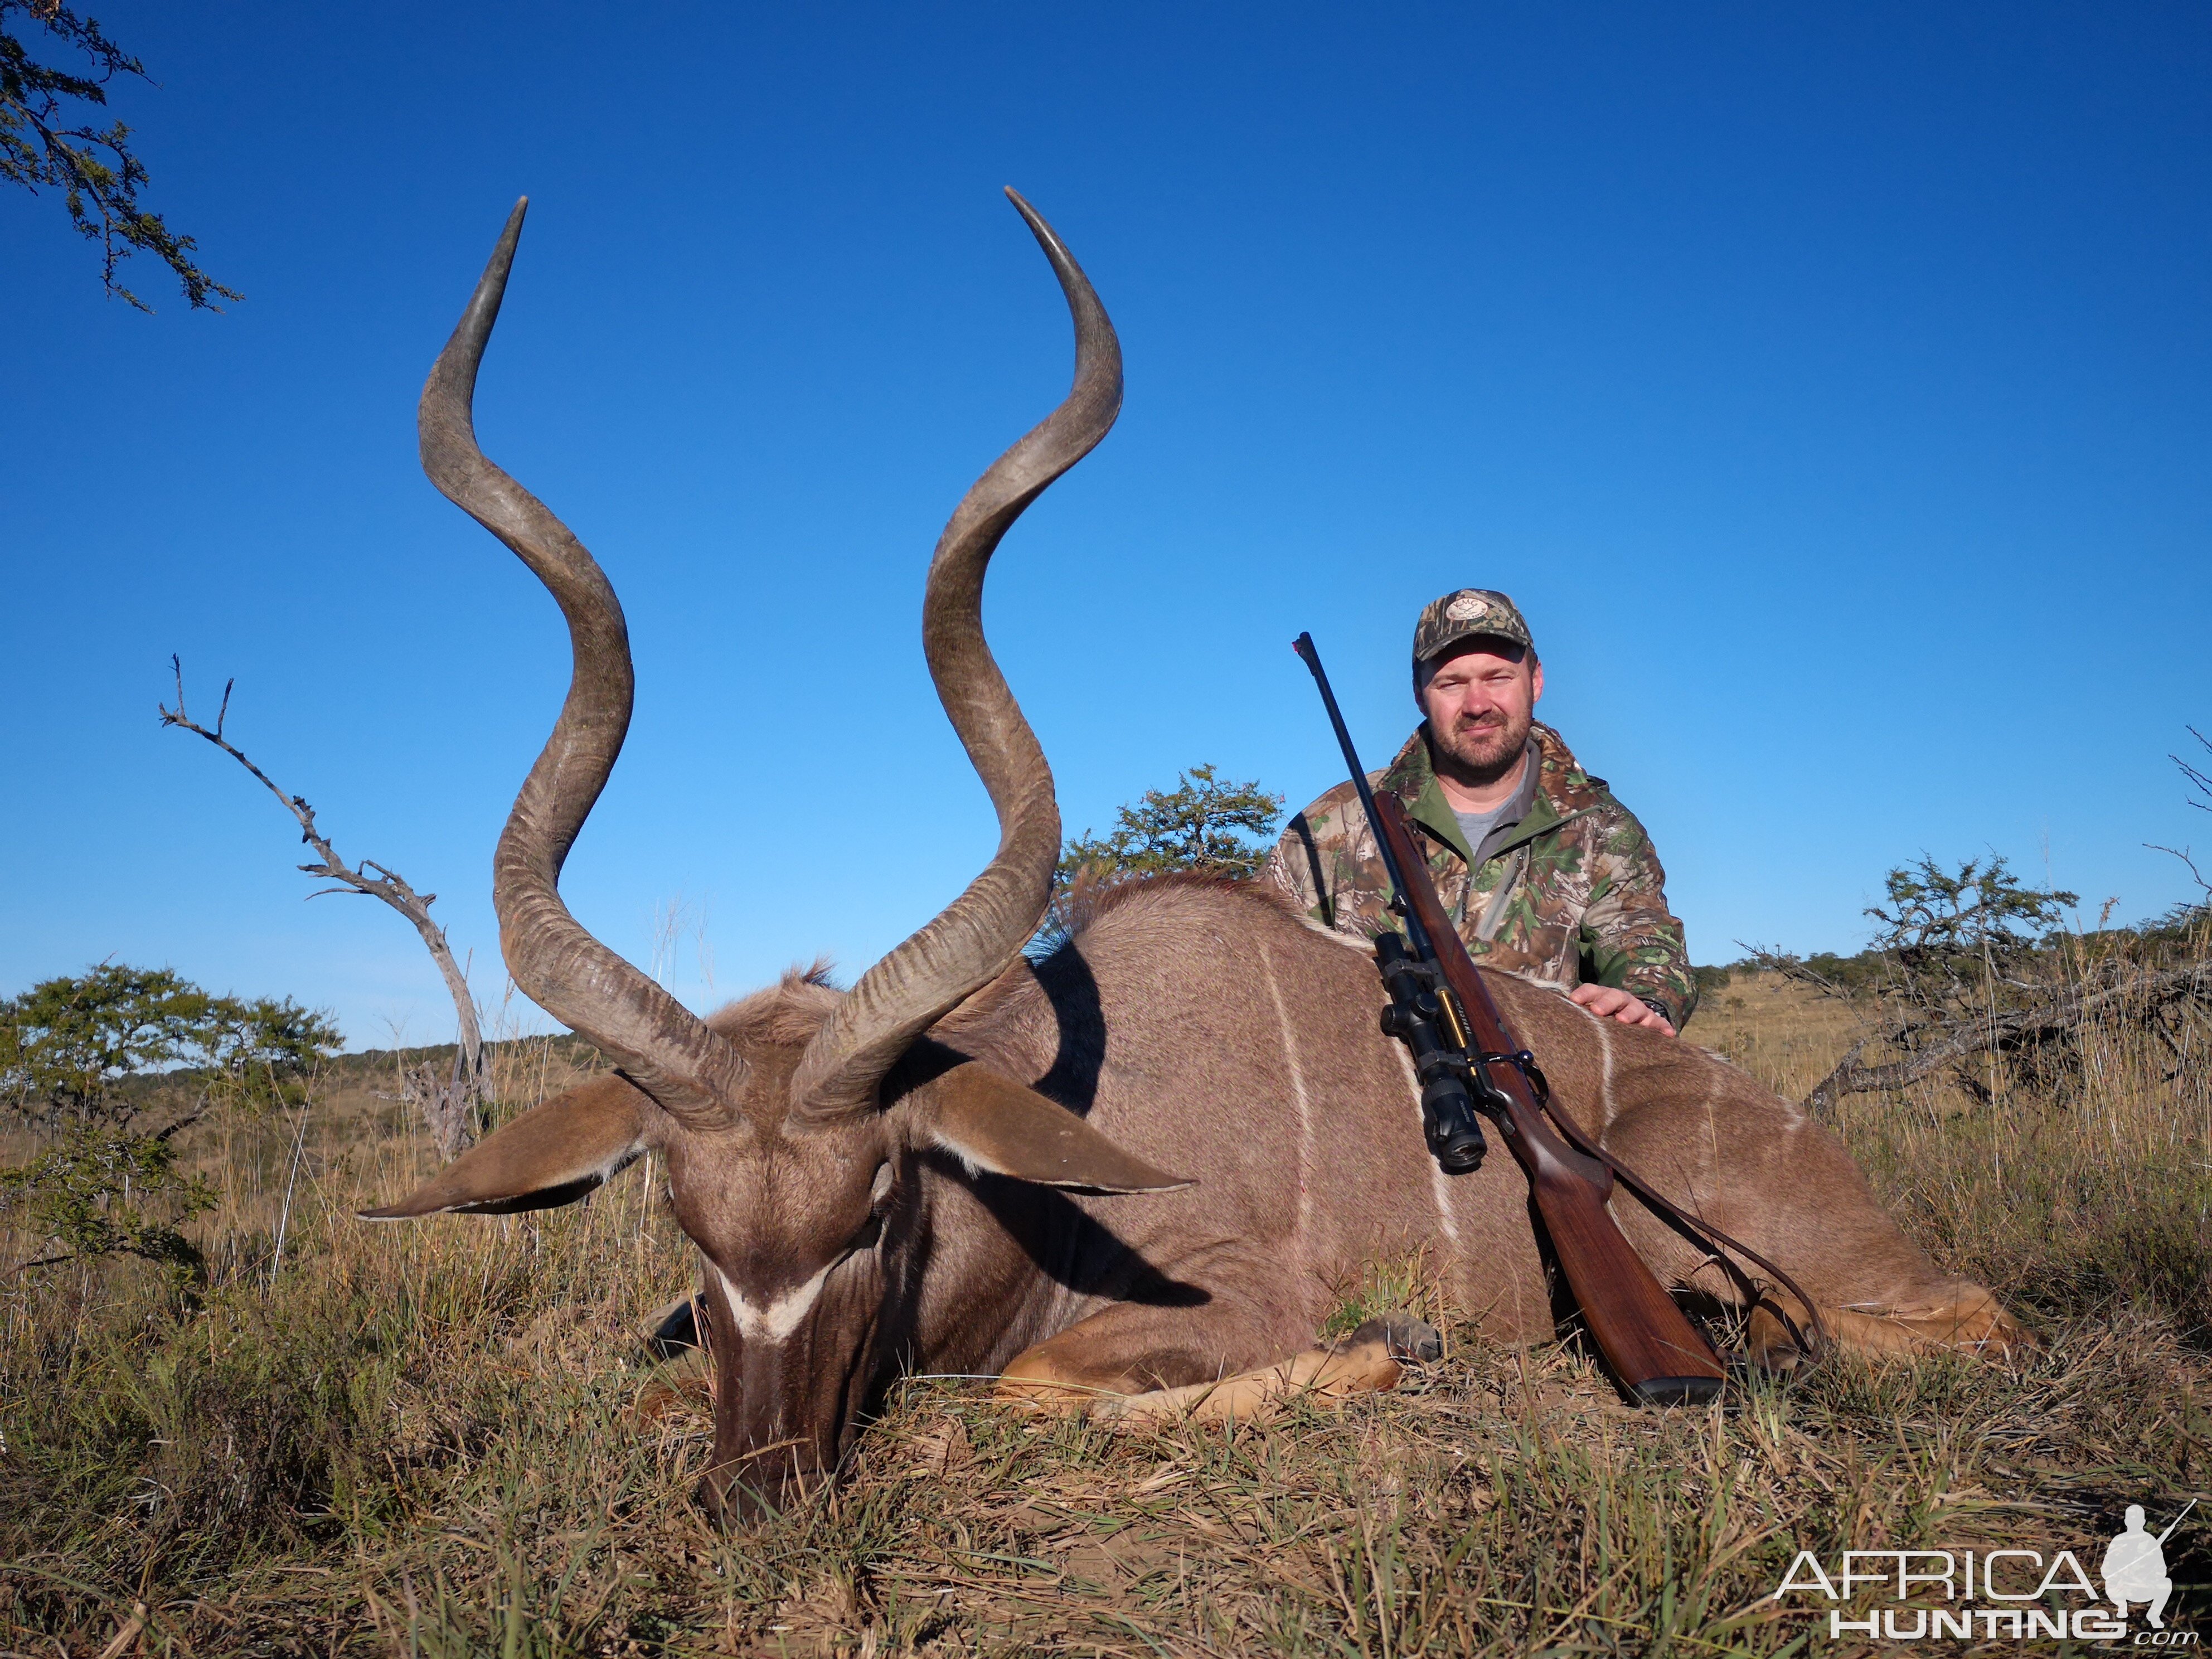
pixel 1647 1342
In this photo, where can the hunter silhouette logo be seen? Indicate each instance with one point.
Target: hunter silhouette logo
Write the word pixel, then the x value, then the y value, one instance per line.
pixel 2016 1594
pixel 2135 1567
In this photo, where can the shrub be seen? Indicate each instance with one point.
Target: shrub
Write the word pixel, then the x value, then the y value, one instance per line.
pixel 102 1191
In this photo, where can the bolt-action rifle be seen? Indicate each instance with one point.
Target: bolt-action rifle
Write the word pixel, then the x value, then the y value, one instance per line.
pixel 1468 1063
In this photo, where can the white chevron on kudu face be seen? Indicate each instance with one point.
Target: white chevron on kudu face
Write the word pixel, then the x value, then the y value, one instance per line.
pixel 776 1319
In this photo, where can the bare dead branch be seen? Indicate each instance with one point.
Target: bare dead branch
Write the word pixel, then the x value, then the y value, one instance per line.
pixel 184 1123
pixel 1791 968
pixel 2202 780
pixel 2008 1028
pixel 2188 863
pixel 450 1108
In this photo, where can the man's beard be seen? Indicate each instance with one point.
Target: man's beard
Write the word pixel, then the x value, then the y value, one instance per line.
pixel 1480 752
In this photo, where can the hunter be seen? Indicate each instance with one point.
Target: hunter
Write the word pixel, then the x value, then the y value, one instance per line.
pixel 1547 875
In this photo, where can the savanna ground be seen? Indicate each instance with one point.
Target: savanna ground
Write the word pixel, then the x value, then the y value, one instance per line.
pixel 429 1440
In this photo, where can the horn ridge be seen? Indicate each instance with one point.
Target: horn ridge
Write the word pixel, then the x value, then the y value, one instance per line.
pixel 690 1070
pixel 978 934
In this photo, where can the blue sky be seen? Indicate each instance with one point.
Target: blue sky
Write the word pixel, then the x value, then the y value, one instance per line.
pixel 1830 386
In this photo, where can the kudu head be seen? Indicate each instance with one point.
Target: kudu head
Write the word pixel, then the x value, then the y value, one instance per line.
pixel 792 1165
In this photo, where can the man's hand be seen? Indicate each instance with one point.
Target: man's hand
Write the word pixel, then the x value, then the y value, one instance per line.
pixel 1613 1003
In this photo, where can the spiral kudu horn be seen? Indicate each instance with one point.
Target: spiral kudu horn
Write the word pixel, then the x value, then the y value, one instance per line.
pixel 975 938
pixel 665 1049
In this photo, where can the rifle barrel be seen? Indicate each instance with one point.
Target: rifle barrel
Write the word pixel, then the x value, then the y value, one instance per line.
pixel 1303 645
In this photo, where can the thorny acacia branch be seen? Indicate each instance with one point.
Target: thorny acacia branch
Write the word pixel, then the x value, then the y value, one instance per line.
pixel 95 169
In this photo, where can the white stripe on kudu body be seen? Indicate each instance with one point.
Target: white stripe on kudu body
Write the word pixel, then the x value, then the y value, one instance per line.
pixel 1605 1085
pixel 1439 1182
pixel 1297 1093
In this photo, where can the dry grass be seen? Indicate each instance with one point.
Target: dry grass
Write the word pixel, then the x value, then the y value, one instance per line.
pixel 425 1440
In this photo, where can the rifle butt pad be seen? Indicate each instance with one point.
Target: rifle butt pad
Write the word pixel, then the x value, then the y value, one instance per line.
pixel 1647 1343
pixel 1676 1390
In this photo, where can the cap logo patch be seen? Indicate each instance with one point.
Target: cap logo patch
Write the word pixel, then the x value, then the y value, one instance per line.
pixel 1467 608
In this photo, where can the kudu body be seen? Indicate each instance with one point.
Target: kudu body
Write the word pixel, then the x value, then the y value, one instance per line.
pixel 971 1163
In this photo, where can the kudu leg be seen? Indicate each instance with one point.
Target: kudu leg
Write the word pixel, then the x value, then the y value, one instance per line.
pixel 1788 1188
pixel 1965 1318
pixel 1131 1363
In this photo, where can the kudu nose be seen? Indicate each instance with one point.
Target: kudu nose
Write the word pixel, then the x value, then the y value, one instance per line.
pixel 733 1497
pixel 757 1487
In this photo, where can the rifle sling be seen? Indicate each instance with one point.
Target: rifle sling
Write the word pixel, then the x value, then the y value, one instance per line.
pixel 1700 1232
pixel 1715 1243
pixel 1487 1027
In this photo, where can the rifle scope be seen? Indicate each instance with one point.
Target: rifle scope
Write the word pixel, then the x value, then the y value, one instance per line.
pixel 1418 997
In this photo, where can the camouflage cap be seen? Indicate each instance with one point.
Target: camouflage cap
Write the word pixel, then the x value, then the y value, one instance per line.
pixel 1462 614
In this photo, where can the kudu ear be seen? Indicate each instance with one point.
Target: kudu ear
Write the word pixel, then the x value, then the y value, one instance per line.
pixel 992 1123
pixel 550 1156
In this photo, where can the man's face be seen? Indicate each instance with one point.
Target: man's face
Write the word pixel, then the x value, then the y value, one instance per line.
pixel 1480 702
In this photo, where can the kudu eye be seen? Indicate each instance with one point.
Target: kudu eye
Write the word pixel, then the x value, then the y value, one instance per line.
pixel 879 1203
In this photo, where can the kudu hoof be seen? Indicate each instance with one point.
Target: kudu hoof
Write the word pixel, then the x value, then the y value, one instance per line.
pixel 1405 1337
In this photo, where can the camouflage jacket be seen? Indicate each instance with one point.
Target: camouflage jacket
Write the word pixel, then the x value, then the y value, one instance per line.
pixel 1574 894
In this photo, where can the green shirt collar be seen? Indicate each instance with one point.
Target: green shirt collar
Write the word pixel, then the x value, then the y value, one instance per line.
pixel 1564 790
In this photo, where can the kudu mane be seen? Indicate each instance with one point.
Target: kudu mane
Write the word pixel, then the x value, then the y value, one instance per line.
pixel 792 1013
pixel 1090 899
pixel 787 1014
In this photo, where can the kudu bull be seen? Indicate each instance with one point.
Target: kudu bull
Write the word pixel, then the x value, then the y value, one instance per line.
pixel 1114 1176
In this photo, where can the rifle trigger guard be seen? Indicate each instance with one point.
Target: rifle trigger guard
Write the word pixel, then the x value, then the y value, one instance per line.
pixel 1525 1063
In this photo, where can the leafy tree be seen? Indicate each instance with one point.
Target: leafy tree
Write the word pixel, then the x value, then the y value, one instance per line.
pixel 1203 824
pixel 1971 963
pixel 101 1187
pixel 1950 942
pixel 67 1043
pixel 1971 971
pixel 48 142
pixel 1955 939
